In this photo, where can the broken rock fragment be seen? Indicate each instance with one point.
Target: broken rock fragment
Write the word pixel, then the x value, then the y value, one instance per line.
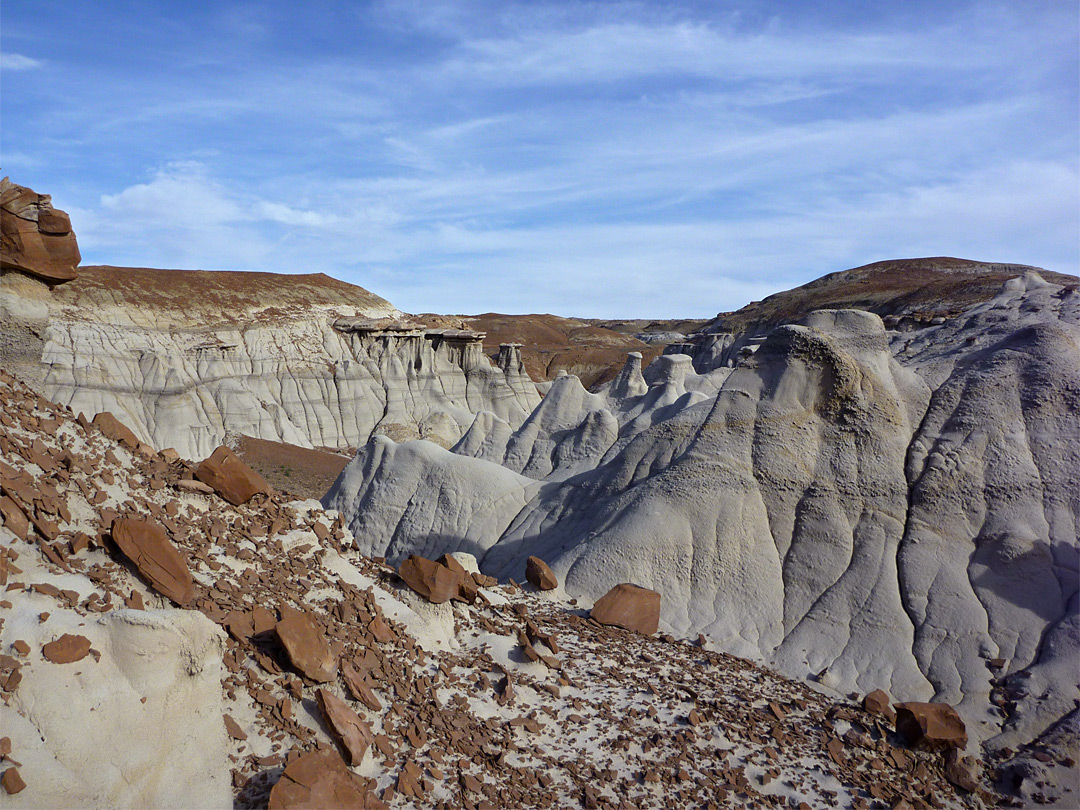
pixel 540 575
pixel 306 646
pixel 877 702
pixel 321 779
pixel 931 726
pixel 351 733
pixel 12 782
pixel 67 649
pixel 434 582
pixel 629 606
pixel 116 430
pixel 145 543
pixel 231 478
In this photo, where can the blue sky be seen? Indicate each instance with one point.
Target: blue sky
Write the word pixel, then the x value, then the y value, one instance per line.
pixel 591 159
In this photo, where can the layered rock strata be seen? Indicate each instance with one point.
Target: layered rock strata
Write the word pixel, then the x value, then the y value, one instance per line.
pixel 187 358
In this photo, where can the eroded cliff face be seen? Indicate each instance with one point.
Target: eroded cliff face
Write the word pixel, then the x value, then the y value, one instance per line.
pixel 876 509
pixel 185 358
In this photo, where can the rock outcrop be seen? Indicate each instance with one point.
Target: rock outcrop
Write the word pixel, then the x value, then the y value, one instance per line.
pixel 185 358
pixel 461 706
pixel 36 238
pixel 873 508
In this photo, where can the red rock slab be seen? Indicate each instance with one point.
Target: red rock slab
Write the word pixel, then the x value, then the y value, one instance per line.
pixel 14 519
pixel 116 430
pixel 145 543
pixel 322 780
pixel 67 649
pixel 629 606
pixel 12 782
pixel 540 575
pixel 306 645
pixel 434 582
pixel 231 478
pixel 358 687
pixel 351 733
pixel 931 726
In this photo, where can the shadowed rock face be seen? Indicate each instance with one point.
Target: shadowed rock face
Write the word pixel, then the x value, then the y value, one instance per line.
pixel 36 238
pixel 880 509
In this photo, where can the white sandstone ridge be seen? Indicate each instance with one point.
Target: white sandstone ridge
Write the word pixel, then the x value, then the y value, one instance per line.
pixel 874 509
pixel 186 357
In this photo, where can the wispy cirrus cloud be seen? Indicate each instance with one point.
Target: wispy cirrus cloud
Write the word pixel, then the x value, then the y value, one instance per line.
pixel 17 61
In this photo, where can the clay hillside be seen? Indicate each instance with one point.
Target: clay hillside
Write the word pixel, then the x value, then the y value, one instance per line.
pixel 186 620
pixel 912 291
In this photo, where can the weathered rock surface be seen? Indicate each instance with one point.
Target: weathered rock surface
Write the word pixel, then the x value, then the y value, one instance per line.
pixel 147 546
pixel 306 645
pixel 36 238
pixel 876 508
pixel 321 780
pixel 436 583
pixel 629 606
pixel 153 698
pixel 465 717
pixel 352 734
pixel 933 726
pixel 539 573
pixel 116 430
pixel 231 478
pixel 67 649
pixel 185 357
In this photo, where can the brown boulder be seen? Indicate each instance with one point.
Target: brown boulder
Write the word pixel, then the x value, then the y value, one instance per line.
pixel 306 646
pixel 629 606
pixel 877 702
pixel 351 733
pixel 434 582
pixel 35 238
pixel 321 779
pixel 116 430
pixel 145 543
pixel 67 649
pixel 231 478
pixel 931 726
pixel 540 575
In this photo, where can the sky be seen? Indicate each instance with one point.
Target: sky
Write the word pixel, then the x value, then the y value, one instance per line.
pixel 608 159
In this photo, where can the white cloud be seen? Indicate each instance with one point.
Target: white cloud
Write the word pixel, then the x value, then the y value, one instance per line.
pixel 16 61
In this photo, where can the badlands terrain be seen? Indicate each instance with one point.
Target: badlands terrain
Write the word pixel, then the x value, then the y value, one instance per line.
pixel 850 512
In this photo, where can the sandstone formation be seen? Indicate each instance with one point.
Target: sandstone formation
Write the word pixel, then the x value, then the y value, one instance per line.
pixel 540 574
pixel 630 606
pixel 874 508
pixel 231 478
pixel 147 546
pixel 35 238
